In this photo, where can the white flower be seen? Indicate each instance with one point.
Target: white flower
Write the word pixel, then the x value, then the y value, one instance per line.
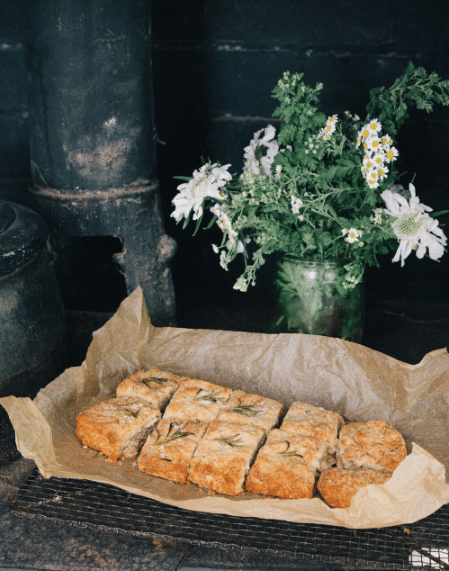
pixel 373 144
pixel 353 235
pixel 241 284
pixel 330 127
pixel 296 204
pixel 382 172
pixel 260 152
pixel 368 162
pixel 377 216
pixel 374 126
pixel 391 154
pixel 224 259
pixel 413 226
pixel 223 220
pixel 378 159
pixel 206 182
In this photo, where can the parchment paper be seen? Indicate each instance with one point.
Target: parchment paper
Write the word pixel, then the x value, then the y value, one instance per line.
pixel 359 383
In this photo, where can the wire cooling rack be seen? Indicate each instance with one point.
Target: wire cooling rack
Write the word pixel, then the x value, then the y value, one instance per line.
pixel 421 545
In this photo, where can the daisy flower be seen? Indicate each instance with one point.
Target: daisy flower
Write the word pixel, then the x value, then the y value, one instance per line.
pixel 206 182
pixel 373 144
pixel 374 126
pixel 391 154
pixel 372 175
pixel 365 132
pixel 373 183
pixel 260 152
pixel 378 159
pixel 223 220
pixel 377 216
pixel 382 172
pixel 330 127
pixel 353 235
pixel 368 162
pixel 414 228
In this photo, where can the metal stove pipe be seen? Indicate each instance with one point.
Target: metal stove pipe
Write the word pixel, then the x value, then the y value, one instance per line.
pixel 93 140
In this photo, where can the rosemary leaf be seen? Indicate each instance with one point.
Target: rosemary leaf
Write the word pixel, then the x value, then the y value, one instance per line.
pixel 149 380
pixel 173 436
pixel 232 441
pixel 244 410
pixel 288 452
pixel 208 397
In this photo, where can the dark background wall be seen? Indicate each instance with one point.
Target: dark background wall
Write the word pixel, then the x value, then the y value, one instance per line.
pixel 215 63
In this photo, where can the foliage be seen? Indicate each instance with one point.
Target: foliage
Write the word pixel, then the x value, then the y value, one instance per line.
pixel 316 191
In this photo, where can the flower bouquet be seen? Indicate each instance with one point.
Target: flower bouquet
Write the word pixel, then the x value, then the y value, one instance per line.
pixel 325 189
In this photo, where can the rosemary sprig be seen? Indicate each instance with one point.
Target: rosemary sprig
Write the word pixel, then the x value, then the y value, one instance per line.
pixel 119 411
pixel 288 452
pixel 148 380
pixel 208 397
pixel 232 441
pixel 244 409
pixel 173 436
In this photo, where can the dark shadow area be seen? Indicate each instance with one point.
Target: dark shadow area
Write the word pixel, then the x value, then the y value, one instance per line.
pixel 90 279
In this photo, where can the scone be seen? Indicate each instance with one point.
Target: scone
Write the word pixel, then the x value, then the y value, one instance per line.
pixel 153 386
pixel 286 466
pixel 338 486
pixel 245 408
pixel 300 411
pixel 308 420
pixel 116 427
pixel 223 457
pixel 169 448
pixel 197 400
pixel 371 445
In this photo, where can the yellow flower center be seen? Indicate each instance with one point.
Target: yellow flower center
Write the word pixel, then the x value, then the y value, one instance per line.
pixel 365 133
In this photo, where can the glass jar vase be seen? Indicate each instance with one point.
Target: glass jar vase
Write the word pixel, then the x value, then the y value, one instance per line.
pixel 310 298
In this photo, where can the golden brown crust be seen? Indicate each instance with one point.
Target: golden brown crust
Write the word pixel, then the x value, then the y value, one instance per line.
pixel 311 450
pixel 116 427
pixel 286 465
pixel 210 435
pixel 282 477
pixel 300 411
pixel 169 448
pixel 153 386
pixel 370 445
pixel 338 486
pixel 308 420
pixel 197 400
pixel 246 408
pixel 223 456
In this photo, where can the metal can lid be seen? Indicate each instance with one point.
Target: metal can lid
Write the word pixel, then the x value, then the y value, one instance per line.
pixel 23 234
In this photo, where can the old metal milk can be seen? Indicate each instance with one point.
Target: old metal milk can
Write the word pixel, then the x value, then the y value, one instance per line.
pixel 32 339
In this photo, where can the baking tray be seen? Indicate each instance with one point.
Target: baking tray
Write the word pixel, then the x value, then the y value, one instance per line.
pixel 84 503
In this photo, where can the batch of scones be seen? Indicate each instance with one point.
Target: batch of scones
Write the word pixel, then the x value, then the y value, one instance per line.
pixel 229 441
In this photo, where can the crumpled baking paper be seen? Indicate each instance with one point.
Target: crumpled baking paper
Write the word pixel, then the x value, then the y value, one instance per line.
pixel 358 382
